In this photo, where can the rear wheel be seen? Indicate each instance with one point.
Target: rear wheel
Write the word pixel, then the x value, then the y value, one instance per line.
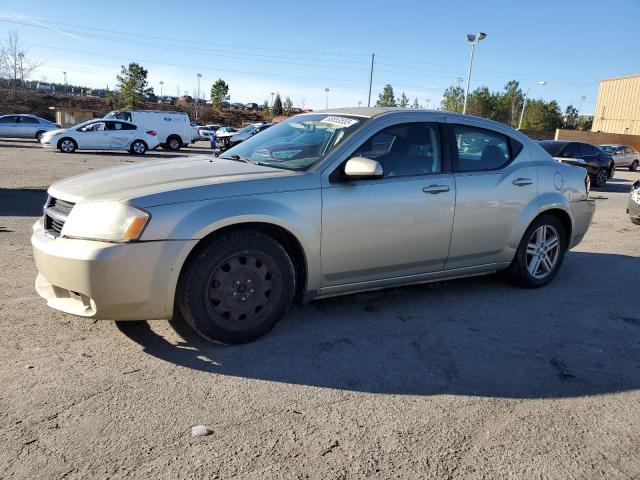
pixel 236 288
pixel 67 145
pixel 138 147
pixel 174 143
pixel 540 253
pixel 634 166
pixel 39 135
pixel 600 178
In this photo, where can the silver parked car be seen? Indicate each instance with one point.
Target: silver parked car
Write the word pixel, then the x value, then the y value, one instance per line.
pixel 321 204
pixel 623 155
pixel 25 126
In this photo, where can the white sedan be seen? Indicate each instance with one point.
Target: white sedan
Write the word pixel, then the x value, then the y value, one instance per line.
pixel 101 134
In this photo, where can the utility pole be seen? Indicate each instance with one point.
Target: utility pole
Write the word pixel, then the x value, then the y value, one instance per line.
pixel 65 82
pixel 373 56
pixel 198 96
pixel 326 99
pixel 161 84
pixel 272 94
pixel 582 98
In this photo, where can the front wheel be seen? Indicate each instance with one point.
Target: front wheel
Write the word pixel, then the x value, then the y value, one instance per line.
pixel 67 145
pixel 600 178
pixel 138 147
pixel 236 288
pixel 634 166
pixel 39 135
pixel 540 253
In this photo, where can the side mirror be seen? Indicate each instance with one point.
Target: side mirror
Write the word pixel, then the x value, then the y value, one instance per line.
pixel 360 167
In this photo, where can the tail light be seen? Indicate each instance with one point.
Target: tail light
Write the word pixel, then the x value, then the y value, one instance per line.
pixel 587 184
pixel 153 133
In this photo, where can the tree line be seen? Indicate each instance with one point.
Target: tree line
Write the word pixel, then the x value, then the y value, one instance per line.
pixel 503 106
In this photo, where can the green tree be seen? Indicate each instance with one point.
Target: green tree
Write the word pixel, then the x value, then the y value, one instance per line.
pixel 453 99
pixel 483 103
pixel 403 101
pixel 510 104
pixel 132 83
pixel 570 117
pixel 265 108
pixel 288 106
pixel 541 115
pixel 219 93
pixel 277 106
pixel 415 104
pixel 386 98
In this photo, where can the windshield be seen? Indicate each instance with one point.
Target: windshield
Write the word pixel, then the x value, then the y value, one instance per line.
pixel 248 129
pixel 553 148
pixel 607 148
pixel 297 143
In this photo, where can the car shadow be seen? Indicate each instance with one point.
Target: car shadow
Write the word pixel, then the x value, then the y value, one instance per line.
pixel 614 187
pixel 22 143
pixel 22 202
pixel 124 154
pixel 478 336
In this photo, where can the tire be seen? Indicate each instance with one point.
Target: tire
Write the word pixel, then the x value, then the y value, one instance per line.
pixel 138 147
pixel 174 143
pixel 634 166
pixel 67 145
pixel 635 221
pixel 237 287
pixel 39 135
pixel 600 178
pixel 527 270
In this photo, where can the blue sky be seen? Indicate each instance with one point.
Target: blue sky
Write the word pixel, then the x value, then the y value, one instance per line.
pixel 300 48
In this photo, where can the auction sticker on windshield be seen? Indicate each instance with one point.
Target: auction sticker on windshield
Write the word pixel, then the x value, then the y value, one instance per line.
pixel 340 121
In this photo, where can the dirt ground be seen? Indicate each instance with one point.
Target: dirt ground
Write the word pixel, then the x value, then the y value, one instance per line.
pixel 464 379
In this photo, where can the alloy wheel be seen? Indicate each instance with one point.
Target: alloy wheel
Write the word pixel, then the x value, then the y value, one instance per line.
pixel 174 144
pixel 601 177
pixel 543 251
pixel 138 147
pixel 68 146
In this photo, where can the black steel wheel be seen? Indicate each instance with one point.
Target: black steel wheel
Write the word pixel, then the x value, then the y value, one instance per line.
pixel 237 287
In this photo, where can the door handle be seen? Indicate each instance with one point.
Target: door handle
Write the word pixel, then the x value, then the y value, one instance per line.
pixel 521 182
pixel 433 189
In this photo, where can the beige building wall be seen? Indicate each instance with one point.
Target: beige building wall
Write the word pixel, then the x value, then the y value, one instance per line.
pixel 618 106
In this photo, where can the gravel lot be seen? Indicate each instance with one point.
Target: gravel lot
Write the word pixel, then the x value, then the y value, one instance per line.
pixel 462 379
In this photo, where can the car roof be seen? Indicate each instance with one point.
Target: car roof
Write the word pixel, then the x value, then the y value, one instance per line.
pixel 556 142
pixel 614 145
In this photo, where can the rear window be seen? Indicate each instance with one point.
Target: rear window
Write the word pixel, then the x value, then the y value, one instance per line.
pixel 481 149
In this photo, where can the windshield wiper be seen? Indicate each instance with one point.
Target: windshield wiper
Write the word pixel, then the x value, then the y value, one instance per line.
pixel 238 158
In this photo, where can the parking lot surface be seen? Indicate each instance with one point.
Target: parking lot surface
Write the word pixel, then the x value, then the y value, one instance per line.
pixel 462 379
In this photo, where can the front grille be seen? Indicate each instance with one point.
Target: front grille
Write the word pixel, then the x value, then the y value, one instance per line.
pixel 56 212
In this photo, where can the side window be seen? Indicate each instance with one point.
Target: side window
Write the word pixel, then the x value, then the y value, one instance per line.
pixel 127 126
pixel 28 120
pixel 589 150
pixel 8 119
pixel 480 149
pixel 628 150
pixel 572 151
pixel 406 149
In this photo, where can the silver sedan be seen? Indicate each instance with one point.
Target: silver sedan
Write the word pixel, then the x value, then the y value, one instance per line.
pixel 25 126
pixel 322 204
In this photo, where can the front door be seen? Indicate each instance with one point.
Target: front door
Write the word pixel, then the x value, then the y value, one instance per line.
pixel 495 182
pixel 393 226
pixel 94 136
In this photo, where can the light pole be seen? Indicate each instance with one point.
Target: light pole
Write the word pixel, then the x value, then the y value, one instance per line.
pixel 428 101
pixel 359 103
pixel 526 97
pixel 582 98
pixel 272 94
pixel 161 84
pixel 199 75
pixel 473 41
pixel 326 99
pixel 65 82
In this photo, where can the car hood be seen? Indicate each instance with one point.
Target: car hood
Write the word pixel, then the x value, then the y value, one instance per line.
pixel 152 183
pixel 57 131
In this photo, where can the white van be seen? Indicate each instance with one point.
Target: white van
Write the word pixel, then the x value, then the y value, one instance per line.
pixel 174 128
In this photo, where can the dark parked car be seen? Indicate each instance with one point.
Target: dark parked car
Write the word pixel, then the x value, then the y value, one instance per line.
pixel 599 164
pixel 251 106
pixel 248 132
pixel 633 208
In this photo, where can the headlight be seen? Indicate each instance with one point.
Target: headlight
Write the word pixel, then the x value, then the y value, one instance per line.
pixel 108 221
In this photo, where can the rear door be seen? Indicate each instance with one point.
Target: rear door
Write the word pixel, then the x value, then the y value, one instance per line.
pixel 120 134
pixel 495 180
pixel 28 127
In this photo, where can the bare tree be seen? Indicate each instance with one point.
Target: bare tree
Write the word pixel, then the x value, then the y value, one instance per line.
pixel 14 63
